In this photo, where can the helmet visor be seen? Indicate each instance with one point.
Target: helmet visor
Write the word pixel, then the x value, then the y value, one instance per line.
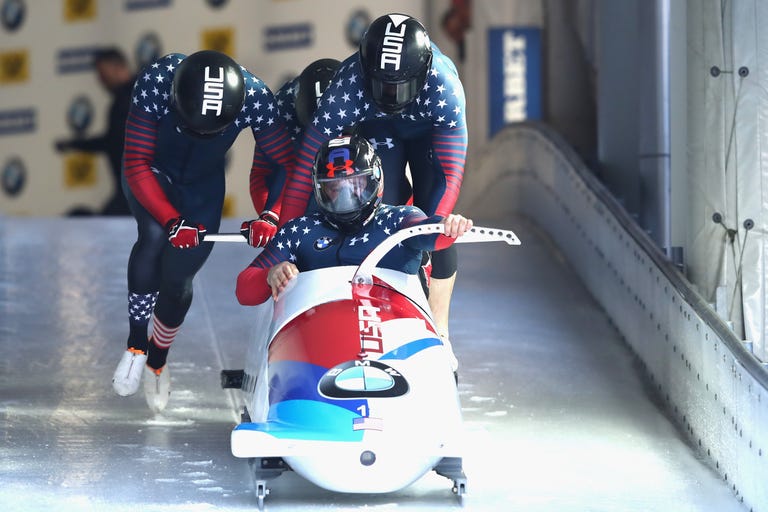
pixel 346 193
pixel 394 96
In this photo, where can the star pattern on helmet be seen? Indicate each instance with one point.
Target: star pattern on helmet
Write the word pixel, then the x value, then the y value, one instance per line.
pixel 152 94
pixel 346 101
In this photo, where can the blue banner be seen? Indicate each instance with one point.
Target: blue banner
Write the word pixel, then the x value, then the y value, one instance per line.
pixel 16 121
pixel 288 37
pixel 514 81
pixel 136 5
pixel 75 60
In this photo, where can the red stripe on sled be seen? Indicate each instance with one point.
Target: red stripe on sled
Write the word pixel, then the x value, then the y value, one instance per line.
pixel 330 333
pixel 326 335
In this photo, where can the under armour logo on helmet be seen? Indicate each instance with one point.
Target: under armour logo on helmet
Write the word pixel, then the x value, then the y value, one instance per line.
pixel 387 142
pixel 338 160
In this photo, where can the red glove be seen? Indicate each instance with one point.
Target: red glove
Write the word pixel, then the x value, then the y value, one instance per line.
pixel 260 231
pixel 183 235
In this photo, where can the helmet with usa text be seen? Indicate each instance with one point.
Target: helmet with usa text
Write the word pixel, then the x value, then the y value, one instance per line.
pixel 208 92
pixel 396 56
pixel 348 182
pixel 312 82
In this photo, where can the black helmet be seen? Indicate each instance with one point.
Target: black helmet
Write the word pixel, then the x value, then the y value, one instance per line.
pixel 312 82
pixel 396 55
pixel 208 92
pixel 348 182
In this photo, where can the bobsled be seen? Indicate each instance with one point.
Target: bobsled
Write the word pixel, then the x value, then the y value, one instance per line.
pixel 350 386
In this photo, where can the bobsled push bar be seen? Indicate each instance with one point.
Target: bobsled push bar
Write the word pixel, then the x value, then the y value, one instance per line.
pixel 476 234
pixel 365 270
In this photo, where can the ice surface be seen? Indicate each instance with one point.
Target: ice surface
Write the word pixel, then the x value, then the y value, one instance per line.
pixel 557 413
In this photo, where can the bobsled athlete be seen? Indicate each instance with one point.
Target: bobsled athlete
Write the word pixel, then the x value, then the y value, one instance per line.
pixel 405 96
pixel 297 98
pixel 185 114
pixel 296 101
pixel 348 186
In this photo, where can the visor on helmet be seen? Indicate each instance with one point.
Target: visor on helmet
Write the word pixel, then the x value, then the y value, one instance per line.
pixel 395 96
pixel 344 194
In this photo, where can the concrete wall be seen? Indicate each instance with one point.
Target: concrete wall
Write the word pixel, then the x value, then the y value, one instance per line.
pixel 714 388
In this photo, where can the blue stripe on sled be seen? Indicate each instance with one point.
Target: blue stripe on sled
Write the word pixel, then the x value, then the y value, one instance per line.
pixel 295 380
pixel 308 420
pixel 409 349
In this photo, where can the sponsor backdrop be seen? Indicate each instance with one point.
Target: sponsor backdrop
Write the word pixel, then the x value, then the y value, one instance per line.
pixel 49 89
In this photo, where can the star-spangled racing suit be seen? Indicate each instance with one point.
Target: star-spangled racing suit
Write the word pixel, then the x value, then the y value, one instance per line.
pixel 430 134
pixel 168 173
pixel 311 243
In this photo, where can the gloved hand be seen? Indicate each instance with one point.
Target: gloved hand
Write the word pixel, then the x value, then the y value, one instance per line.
pixel 184 235
pixel 260 231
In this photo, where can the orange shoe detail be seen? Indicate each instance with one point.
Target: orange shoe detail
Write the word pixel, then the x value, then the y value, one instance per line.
pixel 156 371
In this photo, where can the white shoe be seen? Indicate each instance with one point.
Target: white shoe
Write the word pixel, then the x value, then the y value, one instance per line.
pixel 127 377
pixel 451 355
pixel 157 387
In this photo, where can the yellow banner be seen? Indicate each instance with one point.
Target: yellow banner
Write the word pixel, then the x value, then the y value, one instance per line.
pixel 79 170
pixel 229 206
pixel 14 66
pixel 219 39
pixel 79 10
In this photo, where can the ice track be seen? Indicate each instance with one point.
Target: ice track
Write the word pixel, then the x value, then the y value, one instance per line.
pixel 557 413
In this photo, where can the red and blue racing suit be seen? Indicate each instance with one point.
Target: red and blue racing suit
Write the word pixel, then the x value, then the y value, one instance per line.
pixel 168 173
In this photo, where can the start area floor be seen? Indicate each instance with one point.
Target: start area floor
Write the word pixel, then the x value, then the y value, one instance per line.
pixel 557 413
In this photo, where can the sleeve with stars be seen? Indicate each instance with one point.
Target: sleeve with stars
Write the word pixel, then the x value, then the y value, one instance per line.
pixel 286 106
pixel 273 154
pixel 443 102
pixel 150 101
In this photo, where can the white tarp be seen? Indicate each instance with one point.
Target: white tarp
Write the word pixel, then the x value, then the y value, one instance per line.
pixel 728 160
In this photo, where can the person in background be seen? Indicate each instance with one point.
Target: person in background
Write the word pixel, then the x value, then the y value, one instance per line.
pixel 455 23
pixel 116 76
pixel 348 184
pixel 402 94
pixel 186 112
